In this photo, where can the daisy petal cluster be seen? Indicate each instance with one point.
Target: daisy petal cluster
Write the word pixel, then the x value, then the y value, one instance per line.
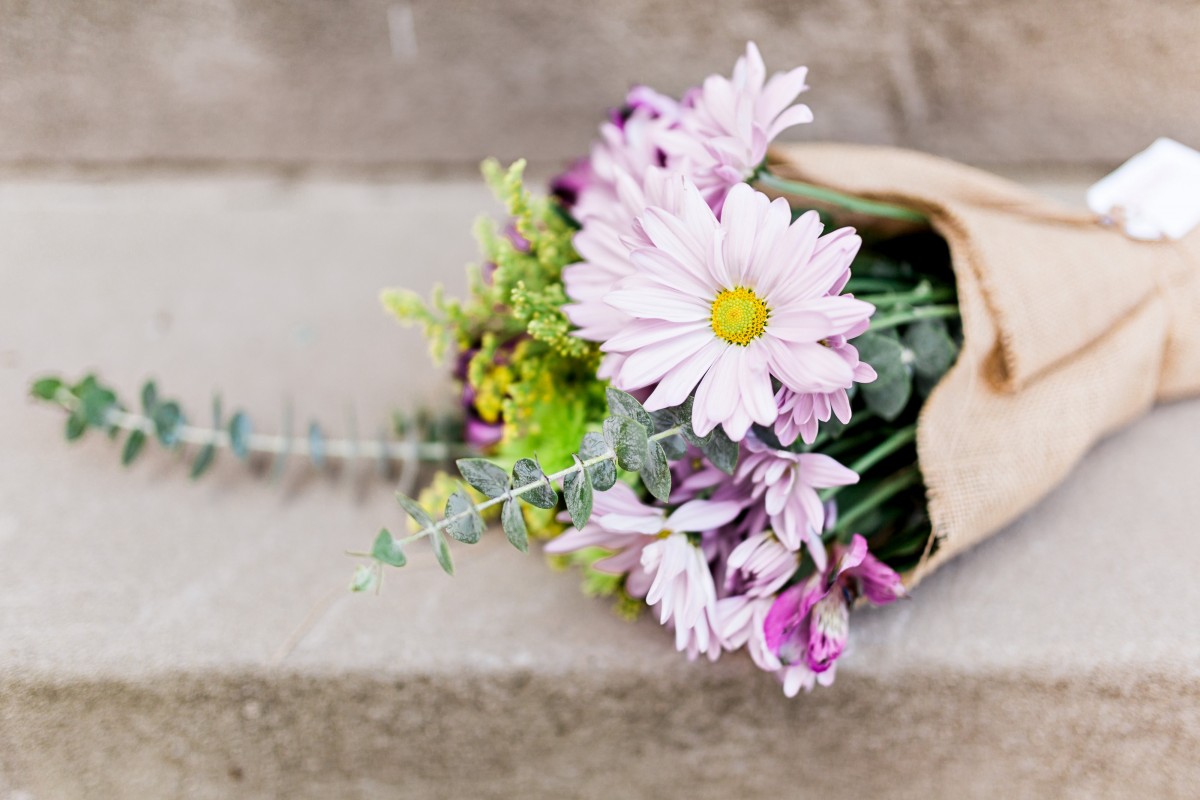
pixel 724 307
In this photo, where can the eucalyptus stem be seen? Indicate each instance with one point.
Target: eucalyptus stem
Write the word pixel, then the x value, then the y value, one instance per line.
pixel 845 201
pixel 895 318
pixel 516 491
pixel 345 449
pixel 889 488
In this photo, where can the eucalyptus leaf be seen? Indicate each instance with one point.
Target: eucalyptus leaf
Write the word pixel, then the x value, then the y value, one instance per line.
pixel 149 398
pixel 484 476
pixel 467 528
pixel 603 474
pixel 674 447
pixel 721 450
pixel 441 551
pixel 577 491
pixel 628 439
pixel 203 460
pixel 167 418
pixel 527 471
pixel 46 388
pixel 76 426
pixel 656 472
pixel 626 405
pixel 513 522
pixel 414 510
pixel 387 550
pixel 364 580
pixel 133 446
pixel 889 393
pixel 932 348
pixel 239 435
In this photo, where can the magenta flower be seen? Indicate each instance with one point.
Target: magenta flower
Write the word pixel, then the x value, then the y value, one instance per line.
pixel 787 483
pixel 724 306
pixel 809 623
pixel 727 125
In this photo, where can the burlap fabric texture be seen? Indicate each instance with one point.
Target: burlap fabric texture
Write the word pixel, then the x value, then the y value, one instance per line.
pixel 1071 330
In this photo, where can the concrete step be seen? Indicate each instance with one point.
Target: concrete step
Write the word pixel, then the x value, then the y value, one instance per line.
pixel 163 638
pixel 376 84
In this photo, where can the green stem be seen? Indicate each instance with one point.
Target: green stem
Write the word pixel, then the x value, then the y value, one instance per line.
pixel 889 488
pixel 347 449
pixel 901 438
pixel 925 295
pixel 894 318
pixel 844 201
pixel 517 491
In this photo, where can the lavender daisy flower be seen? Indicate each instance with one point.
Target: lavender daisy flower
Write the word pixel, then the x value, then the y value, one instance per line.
pixel 759 566
pixel 787 483
pixel 729 123
pixel 621 522
pixel 684 591
pixel 724 306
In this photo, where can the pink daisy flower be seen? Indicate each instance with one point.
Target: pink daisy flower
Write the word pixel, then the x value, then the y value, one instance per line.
pixel 760 566
pixel 787 483
pixel 621 522
pixel 685 593
pixel 728 124
pixel 724 306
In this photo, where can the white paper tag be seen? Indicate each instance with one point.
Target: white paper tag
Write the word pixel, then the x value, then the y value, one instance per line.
pixel 1156 193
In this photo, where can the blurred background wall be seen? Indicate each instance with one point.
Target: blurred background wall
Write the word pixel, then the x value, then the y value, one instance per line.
pixel 438 84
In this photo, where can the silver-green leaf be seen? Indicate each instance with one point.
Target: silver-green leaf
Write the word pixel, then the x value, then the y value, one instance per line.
pixel 239 435
pixel 463 520
pixel 527 471
pixel 387 550
pixel 721 450
pixel 513 522
pixel 628 439
pixel 577 491
pixel 603 474
pixel 484 476
pixel 419 515
pixel 441 551
pixel 656 472
pixel 626 405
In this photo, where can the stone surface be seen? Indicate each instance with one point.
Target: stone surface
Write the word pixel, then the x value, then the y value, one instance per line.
pixel 379 83
pixel 163 638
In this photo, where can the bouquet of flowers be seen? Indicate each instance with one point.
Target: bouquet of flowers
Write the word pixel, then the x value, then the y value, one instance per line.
pixel 685 370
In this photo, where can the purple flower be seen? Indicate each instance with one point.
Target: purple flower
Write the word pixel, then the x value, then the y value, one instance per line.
pixel 724 306
pixel 787 483
pixel 759 566
pixel 809 623
pixel 727 124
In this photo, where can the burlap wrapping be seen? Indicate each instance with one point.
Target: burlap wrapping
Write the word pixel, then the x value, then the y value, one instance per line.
pixel 1070 331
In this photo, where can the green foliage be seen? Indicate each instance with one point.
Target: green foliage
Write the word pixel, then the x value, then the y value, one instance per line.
pixel 889 393
pixel 463 520
pixel 513 523
pixel 387 550
pixel 526 473
pixel 577 492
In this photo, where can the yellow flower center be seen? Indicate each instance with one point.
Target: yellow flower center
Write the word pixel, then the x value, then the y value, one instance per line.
pixel 739 316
